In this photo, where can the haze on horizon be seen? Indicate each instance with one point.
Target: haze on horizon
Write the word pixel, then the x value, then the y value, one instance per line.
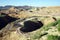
pixel 38 3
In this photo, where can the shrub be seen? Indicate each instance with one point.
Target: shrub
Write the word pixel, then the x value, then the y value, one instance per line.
pixel 51 37
pixel 58 27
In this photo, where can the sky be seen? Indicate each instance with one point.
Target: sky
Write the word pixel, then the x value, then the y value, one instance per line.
pixel 30 2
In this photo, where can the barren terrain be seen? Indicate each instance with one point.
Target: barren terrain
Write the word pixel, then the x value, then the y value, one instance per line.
pixel 17 29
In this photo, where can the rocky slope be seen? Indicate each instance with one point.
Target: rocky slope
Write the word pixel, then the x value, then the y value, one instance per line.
pixel 48 16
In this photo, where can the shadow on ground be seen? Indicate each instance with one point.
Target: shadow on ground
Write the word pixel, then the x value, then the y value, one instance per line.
pixel 5 20
pixel 30 26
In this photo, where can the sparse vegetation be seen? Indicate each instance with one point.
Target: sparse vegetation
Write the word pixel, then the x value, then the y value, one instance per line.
pixel 58 27
pixel 51 37
pixel 45 28
pixel 43 13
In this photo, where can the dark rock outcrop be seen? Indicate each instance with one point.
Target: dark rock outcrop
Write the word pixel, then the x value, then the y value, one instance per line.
pixel 30 26
pixel 5 20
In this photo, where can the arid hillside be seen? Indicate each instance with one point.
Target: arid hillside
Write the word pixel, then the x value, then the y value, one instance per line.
pixel 36 23
pixel 43 11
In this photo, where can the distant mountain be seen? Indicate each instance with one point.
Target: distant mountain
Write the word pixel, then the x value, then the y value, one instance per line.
pixel 23 7
pixel 5 7
pixel 18 7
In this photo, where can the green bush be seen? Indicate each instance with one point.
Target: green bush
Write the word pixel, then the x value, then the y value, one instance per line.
pixel 51 37
pixel 58 26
